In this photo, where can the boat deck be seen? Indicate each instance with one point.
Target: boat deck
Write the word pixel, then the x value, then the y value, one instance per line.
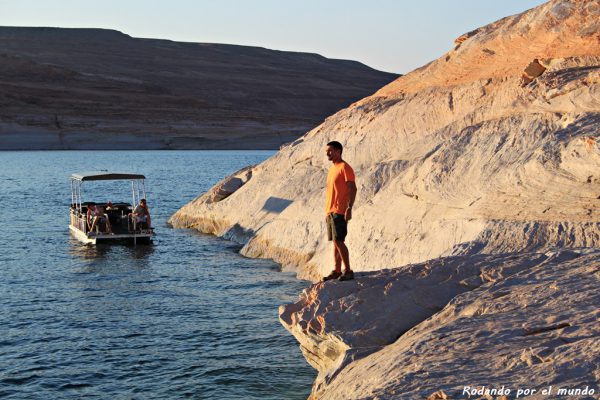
pixel 122 226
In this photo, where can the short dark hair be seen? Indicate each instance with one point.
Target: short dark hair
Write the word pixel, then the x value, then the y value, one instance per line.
pixel 336 145
pixel 142 200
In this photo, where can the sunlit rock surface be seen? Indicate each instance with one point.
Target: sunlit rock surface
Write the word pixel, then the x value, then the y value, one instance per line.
pixel 534 329
pixel 454 158
pixel 479 190
pixel 336 322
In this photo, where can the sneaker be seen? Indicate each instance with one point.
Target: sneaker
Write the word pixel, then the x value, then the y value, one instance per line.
pixel 332 275
pixel 347 276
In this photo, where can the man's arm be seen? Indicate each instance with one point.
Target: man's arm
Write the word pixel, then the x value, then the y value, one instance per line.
pixel 352 196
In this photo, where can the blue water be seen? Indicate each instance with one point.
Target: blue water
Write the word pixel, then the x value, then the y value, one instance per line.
pixel 186 317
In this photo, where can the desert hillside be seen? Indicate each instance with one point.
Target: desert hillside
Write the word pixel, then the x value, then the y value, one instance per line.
pixel 95 88
pixel 477 218
pixel 454 166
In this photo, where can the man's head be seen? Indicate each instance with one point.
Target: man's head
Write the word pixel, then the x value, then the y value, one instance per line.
pixel 334 151
pixel 143 202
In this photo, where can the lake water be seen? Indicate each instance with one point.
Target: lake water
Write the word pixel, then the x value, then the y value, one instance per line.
pixel 186 317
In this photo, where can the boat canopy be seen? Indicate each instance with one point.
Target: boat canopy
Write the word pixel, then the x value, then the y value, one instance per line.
pixel 105 176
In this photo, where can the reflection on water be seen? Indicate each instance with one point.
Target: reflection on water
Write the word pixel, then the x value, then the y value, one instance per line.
pixel 100 251
pixel 184 317
pixel 85 251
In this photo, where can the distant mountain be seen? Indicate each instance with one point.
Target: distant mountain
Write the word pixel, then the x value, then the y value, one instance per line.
pixel 95 88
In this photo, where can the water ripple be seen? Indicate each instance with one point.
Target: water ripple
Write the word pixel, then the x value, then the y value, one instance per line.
pixel 186 317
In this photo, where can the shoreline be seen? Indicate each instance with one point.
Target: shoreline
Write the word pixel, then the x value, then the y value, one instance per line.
pixel 475 235
pixel 118 150
pixel 58 141
pixel 321 319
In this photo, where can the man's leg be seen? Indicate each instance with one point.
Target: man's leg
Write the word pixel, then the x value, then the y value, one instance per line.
pixel 337 258
pixel 342 253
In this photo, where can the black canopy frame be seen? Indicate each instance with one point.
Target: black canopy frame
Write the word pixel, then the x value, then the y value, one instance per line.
pixel 138 188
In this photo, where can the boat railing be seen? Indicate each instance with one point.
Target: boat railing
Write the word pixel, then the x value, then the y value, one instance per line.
pixel 78 221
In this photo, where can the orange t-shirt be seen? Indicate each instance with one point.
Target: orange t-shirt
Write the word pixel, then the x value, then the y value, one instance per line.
pixel 338 195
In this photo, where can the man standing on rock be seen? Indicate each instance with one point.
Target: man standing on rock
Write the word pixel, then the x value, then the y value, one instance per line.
pixel 341 192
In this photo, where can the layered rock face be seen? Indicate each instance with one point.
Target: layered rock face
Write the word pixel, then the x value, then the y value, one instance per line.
pixel 527 331
pixel 476 174
pixel 95 88
pixel 525 320
pixel 453 158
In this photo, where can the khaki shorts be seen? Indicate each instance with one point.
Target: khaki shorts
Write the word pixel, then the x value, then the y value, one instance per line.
pixel 337 227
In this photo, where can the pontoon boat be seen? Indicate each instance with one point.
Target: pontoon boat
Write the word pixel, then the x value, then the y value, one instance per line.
pixel 122 224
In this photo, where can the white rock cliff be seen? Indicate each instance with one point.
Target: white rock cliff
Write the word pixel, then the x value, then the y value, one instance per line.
pixel 486 162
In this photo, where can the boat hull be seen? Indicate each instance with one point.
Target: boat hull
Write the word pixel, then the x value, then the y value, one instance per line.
pixel 137 238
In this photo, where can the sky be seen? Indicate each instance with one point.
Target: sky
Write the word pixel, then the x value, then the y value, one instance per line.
pixel 389 35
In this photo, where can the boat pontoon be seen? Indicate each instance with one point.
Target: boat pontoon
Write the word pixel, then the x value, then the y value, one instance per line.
pixel 124 226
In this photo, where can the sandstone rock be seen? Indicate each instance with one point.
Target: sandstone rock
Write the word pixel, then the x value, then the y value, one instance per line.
pixel 226 188
pixel 453 158
pixel 229 185
pixel 465 36
pixel 457 164
pixel 532 71
pixel 534 329
pixel 439 395
pixel 338 322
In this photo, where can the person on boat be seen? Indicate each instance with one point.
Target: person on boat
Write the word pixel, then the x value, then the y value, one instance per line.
pixel 340 195
pixel 142 214
pixel 97 217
